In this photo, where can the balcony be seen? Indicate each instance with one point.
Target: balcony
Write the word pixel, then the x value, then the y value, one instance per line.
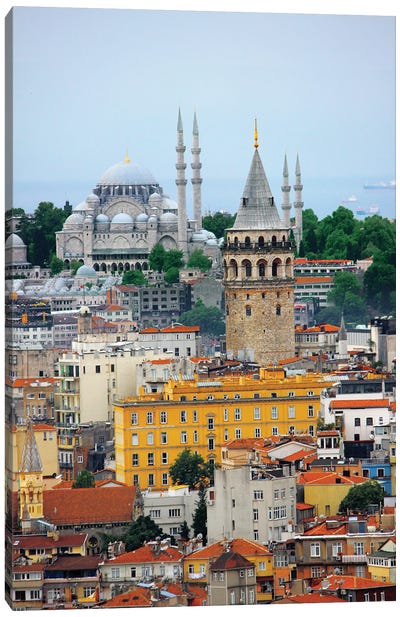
pixel 354 559
pixel 268 247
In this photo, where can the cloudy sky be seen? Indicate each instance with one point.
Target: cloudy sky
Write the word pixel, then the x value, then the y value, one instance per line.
pixel 91 84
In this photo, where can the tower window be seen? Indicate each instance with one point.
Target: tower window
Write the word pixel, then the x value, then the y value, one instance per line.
pixel 261 241
pixel 247 241
pixel 261 270
pixel 278 309
pixel 248 311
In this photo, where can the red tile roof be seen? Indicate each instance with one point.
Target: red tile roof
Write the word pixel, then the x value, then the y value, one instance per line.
pixel 319 328
pixel 359 403
pixel 349 582
pixel 42 382
pixel 314 279
pixel 230 561
pixel 327 477
pixel 138 597
pixel 145 554
pixel 89 505
pixel 311 598
pixel 74 562
pixel 247 548
pixel 32 541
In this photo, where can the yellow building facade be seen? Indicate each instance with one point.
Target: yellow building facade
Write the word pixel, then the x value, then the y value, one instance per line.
pixel 202 414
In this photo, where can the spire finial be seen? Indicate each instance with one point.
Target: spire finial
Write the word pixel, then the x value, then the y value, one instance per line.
pixel 255 134
pixel 127 159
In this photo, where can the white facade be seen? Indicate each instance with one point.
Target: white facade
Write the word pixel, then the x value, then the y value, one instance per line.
pixel 170 508
pixel 257 503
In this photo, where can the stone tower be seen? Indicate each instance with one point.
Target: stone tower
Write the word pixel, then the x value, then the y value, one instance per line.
pixel 258 276
pixel 196 177
pixel 181 189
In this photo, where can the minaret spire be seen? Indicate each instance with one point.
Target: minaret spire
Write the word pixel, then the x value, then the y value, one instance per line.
pixel 255 134
pixel 298 204
pixel 196 177
pixel 285 194
pixel 181 184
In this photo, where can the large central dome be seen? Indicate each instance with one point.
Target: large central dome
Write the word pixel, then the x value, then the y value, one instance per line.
pixel 127 173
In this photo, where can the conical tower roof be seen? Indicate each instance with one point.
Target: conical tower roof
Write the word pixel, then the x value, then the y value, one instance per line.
pixel 30 459
pixel 257 208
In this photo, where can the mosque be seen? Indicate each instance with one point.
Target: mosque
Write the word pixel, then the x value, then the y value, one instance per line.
pixel 127 213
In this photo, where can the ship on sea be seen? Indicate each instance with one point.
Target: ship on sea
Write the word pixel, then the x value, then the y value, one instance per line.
pixel 381 185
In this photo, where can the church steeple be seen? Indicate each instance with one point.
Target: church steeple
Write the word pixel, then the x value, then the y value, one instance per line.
pixel 181 185
pixel 196 177
pixel 30 480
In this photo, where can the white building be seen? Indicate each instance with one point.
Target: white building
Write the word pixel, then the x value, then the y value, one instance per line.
pixel 253 502
pixel 171 508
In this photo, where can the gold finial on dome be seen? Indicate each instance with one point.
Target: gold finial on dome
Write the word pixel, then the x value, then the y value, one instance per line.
pixel 255 134
pixel 127 159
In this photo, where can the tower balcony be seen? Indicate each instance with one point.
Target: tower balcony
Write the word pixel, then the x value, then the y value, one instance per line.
pixel 268 247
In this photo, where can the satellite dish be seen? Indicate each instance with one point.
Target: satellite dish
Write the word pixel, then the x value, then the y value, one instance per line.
pixel 372 435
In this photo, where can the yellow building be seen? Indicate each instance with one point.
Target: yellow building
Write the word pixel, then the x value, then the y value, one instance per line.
pixel 152 429
pixel 325 490
pixel 382 563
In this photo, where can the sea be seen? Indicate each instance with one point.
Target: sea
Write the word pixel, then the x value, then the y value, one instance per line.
pixel 322 195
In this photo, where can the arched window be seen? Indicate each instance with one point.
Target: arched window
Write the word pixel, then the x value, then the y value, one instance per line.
pixel 235 241
pixel 234 268
pixel 247 268
pixel 261 270
pixel 275 267
pixel 288 267
pixel 247 241
pixel 261 241
pixel 278 309
pixel 283 238
pixel 273 240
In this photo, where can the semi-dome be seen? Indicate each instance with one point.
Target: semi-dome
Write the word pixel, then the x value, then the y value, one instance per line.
pixel 81 207
pixel 200 236
pixel 127 173
pixel 86 271
pixel 211 242
pixel 168 217
pixel 169 204
pixel 13 241
pixel 122 217
pixel 74 219
pixel 142 217
pixel 92 199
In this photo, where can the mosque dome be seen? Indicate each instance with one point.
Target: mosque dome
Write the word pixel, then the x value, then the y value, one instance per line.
pixel 211 242
pixel 81 207
pixel 155 197
pixel 92 199
pixel 102 218
pixel 14 241
pixel 200 236
pixel 168 217
pixel 169 204
pixel 142 217
pixel 122 217
pixel 127 173
pixel 84 310
pixel 74 219
pixel 86 271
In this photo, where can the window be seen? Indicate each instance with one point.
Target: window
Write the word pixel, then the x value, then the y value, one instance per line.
pixel 238 433
pixel 163 417
pixel 134 418
pixel 276 493
pixel 135 460
pixel 255 514
pixel 311 430
pixel 261 565
pixel 150 439
pixel 211 443
pixel 315 549
pixel 283 493
pixel 151 479
pixel 210 424
pixel 80 458
pixel 369 421
pixel 164 458
pixel 316 571
pixel 291 411
pixel 278 309
pixel 257 413
pixel 226 415
pixel 226 434
pixel 184 437
pixel 237 396
pixel 311 411
pixel 248 311
pixel 336 548
pixel 164 437
pixel 258 495
pixel 357 422
pixel 183 416
pixel 149 417
pixel 238 413
pixel 155 513
pixel 195 415
pixel 359 548
pixel 274 413
pixel 97 368
pixel 164 479
pixel 135 479
pixel 115 572
pixel 310 393
pixel 274 430
pixel 174 512
pixel 291 394
pixel 195 436
pixel 257 431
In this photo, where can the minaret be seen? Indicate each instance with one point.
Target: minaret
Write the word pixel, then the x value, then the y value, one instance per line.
pixel 30 479
pixel 342 341
pixel 258 276
pixel 285 195
pixel 298 205
pixel 196 178
pixel 181 184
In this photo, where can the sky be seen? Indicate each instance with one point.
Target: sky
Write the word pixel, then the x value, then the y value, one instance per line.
pixel 90 84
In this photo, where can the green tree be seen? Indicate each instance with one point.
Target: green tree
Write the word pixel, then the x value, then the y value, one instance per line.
pixel 343 284
pixel 200 514
pixel 56 265
pixel 198 260
pixel 210 319
pixel 184 531
pixel 74 266
pixel 140 531
pixel 173 259
pixel 380 286
pixel 218 222
pixel 172 275
pixel 39 233
pixel 190 468
pixel 361 496
pixel 134 277
pixel 84 479
pixel 157 257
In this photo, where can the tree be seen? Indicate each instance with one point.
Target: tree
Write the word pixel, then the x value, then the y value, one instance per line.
pixel 184 531
pixel 218 222
pixel 198 260
pixel 157 257
pixel 134 277
pixel 173 259
pixel 190 468
pixel 380 285
pixel 140 531
pixel 39 233
pixel 84 479
pixel 200 514
pixel 56 265
pixel 74 266
pixel 210 319
pixel 172 275
pixel 361 496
